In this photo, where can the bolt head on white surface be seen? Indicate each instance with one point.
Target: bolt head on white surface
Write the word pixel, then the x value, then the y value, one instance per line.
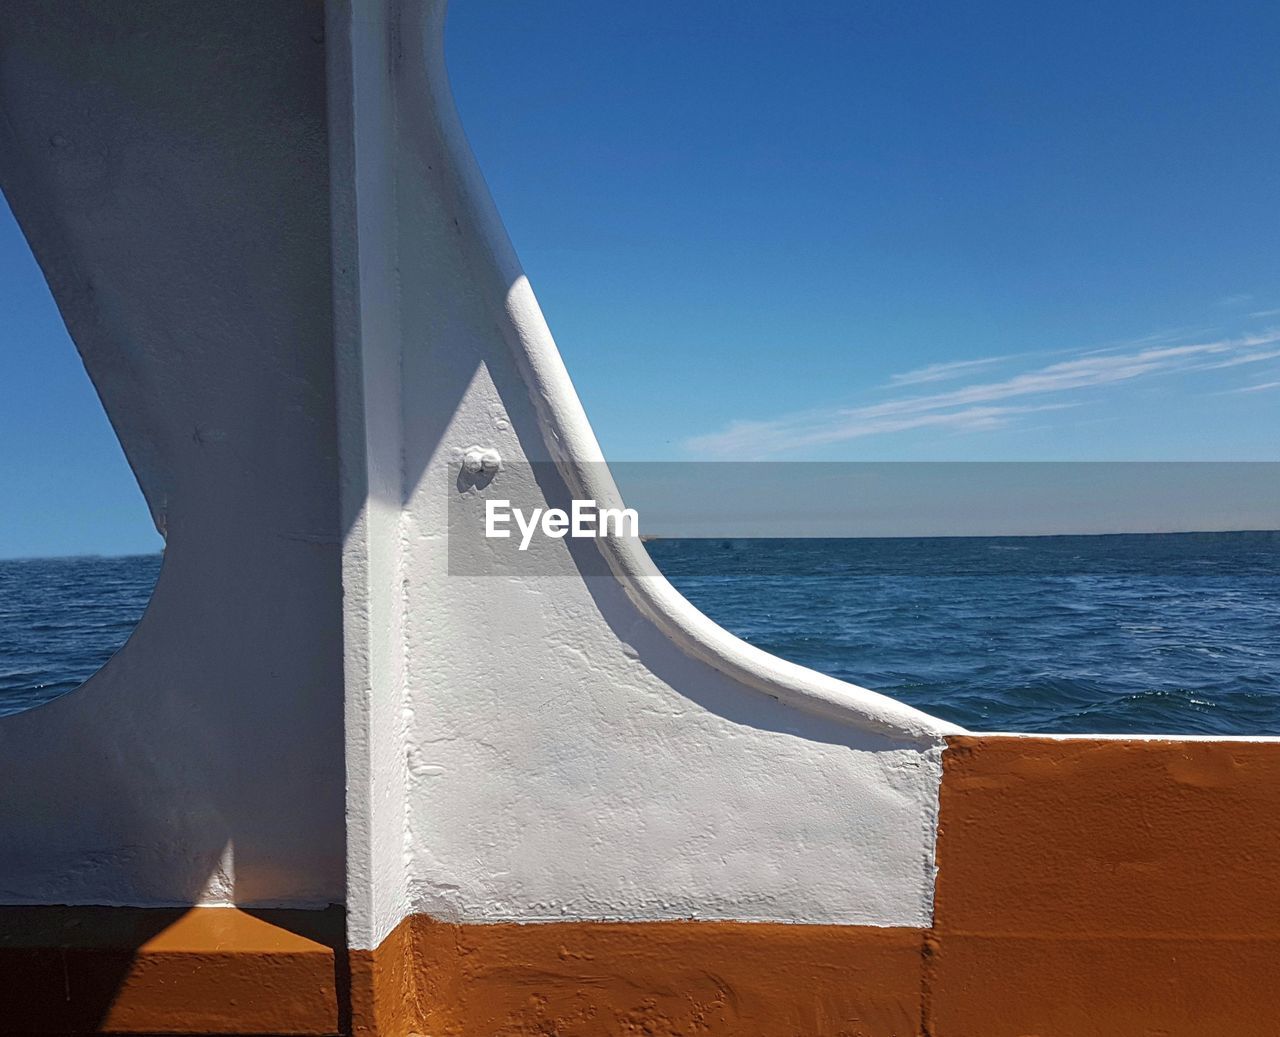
pixel 482 459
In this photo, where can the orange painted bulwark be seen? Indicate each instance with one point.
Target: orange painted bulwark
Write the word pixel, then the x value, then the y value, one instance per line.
pixel 388 985
pixel 181 971
pixel 575 979
pixel 1086 888
pixel 1107 887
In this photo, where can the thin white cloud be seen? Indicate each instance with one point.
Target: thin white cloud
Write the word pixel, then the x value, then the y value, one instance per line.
pixel 1263 387
pixel 975 406
pixel 1236 299
pixel 760 438
pixel 945 372
pixel 1259 314
pixel 1246 358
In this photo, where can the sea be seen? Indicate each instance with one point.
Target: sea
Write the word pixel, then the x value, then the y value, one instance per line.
pixel 1156 634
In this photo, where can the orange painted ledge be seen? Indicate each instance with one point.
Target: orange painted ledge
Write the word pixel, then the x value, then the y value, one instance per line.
pixel 74 970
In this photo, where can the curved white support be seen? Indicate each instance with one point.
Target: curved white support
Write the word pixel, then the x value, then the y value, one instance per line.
pixel 569 434
pixel 553 737
pixel 182 223
pixel 572 443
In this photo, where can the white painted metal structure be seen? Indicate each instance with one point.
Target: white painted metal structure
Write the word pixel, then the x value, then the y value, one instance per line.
pixel 548 738
pixel 168 167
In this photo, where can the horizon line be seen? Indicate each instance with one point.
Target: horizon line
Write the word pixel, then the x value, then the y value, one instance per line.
pixel 648 537
pixel 958 536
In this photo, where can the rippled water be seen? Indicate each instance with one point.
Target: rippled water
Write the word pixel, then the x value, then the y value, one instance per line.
pixel 1159 634
pixel 62 618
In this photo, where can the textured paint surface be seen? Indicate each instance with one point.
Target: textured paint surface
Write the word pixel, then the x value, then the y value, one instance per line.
pixel 369 401
pixel 194 971
pixel 169 168
pixel 660 787
pixel 665 782
pixel 387 985
pixel 661 978
pixel 1107 888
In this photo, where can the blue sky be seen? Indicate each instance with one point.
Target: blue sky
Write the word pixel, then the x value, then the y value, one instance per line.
pixel 65 487
pixel 757 230
pixel 854 231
